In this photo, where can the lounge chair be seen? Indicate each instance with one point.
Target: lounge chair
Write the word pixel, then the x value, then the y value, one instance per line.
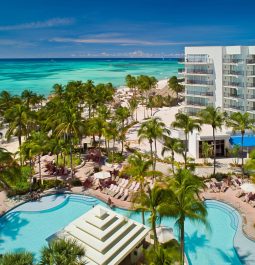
pixel 252 203
pixel 132 185
pixel 106 190
pixel 137 186
pixel 239 194
pixel 116 191
pixel 120 193
pixel 125 183
pixel 125 195
pixel 112 190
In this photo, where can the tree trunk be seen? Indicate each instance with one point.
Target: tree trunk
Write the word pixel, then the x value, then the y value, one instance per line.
pixel 214 152
pixel 242 153
pixel 40 171
pixel 186 150
pixel 150 141
pixel 155 154
pixel 71 160
pixel 31 175
pixel 153 224
pixel 172 161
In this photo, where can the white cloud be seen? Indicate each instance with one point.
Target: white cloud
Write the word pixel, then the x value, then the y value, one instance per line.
pixel 120 41
pixel 54 22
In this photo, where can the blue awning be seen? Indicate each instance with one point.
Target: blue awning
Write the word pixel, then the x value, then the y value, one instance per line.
pixel 249 140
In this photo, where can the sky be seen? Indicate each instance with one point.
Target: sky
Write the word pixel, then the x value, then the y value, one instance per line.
pixel 117 28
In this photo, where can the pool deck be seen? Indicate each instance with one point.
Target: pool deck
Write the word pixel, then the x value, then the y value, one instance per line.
pixel 246 210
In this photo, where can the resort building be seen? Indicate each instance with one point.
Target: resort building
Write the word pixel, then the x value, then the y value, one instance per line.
pixel 220 76
pixel 107 237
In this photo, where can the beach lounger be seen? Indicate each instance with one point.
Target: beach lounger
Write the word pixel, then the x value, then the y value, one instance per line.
pixel 132 185
pixel 120 193
pixel 116 191
pixel 125 183
pixel 239 194
pixel 106 190
pixel 137 186
pixel 112 190
pixel 124 197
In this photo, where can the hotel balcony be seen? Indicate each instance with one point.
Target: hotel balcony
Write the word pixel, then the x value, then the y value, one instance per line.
pixel 232 72
pixel 233 95
pixel 251 97
pixel 234 107
pixel 250 85
pixel 251 109
pixel 232 84
pixel 250 73
pixel 199 61
pixel 198 72
pixel 198 82
pixel 181 71
pixel 199 94
pixel 198 104
pixel 250 61
pixel 232 61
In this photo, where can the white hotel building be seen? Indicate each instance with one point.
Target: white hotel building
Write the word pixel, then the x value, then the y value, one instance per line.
pixel 221 76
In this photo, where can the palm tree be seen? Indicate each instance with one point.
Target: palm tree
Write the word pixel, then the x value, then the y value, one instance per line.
pixel 241 122
pixel 28 96
pixel 139 169
pixel 37 144
pixel 188 125
pixel 122 114
pixel 62 252
pixel 214 117
pixel 70 126
pixel 152 202
pixel 17 258
pixel 184 202
pixel 131 82
pixel 152 130
pixel 18 117
pixel 173 84
pixel 159 256
pixel 133 104
pixel 172 145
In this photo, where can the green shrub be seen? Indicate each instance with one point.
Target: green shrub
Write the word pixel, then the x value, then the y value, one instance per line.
pixel 76 182
pixel 116 158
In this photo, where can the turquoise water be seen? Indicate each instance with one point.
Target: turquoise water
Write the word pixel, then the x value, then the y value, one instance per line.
pixel 26 229
pixel 40 75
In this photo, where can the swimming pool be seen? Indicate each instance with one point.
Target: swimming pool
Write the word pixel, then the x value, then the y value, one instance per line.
pixel 28 226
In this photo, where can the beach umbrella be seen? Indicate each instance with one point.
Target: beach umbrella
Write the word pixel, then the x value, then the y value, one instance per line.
pixel 248 187
pixel 164 234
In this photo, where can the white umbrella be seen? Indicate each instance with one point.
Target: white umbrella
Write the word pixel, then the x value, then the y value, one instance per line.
pixel 102 175
pixel 164 234
pixel 248 187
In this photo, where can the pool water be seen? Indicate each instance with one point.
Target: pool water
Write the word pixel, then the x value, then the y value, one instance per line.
pixel 23 228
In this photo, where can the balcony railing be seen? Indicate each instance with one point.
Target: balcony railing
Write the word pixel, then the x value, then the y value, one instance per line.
pixel 250 61
pixel 181 70
pixel 199 82
pixel 229 106
pixel 251 96
pixel 251 108
pixel 195 103
pixel 196 71
pixel 250 84
pixel 233 84
pixel 195 60
pixel 197 93
pixel 231 72
pixel 232 60
pixel 250 73
pixel 233 95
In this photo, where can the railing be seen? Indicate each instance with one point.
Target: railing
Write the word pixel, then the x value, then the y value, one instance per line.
pixel 195 71
pixel 181 70
pixel 251 108
pixel 250 61
pixel 250 96
pixel 195 60
pixel 232 60
pixel 227 106
pixel 250 73
pixel 250 84
pixel 197 93
pixel 231 72
pixel 232 95
pixel 234 84
pixel 195 103
pixel 199 82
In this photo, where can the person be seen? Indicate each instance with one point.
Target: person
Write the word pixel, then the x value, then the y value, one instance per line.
pixel 109 201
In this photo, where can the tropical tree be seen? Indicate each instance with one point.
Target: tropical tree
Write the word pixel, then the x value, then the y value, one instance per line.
pixel 139 170
pixel 122 114
pixel 17 116
pixel 70 126
pixel 63 252
pixel 172 145
pixel 188 125
pixel 241 122
pixel 175 86
pixel 28 96
pixel 17 258
pixel 184 202
pixel 131 82
pixel 214 117
pixel 152 130
pixel 207 151
pixel 152 201
pixel 133 105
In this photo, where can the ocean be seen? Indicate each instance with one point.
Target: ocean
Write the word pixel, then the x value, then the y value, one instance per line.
pixel 39 75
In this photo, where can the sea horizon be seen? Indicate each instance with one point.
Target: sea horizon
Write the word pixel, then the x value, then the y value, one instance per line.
pixel 40 74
